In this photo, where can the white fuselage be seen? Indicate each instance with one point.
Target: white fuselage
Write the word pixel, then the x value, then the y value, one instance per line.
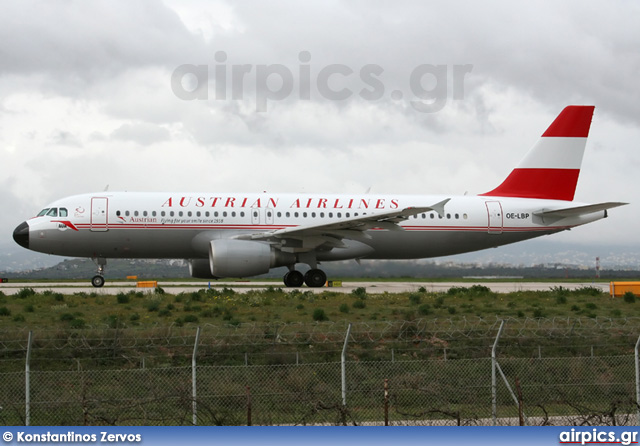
pixel 170 225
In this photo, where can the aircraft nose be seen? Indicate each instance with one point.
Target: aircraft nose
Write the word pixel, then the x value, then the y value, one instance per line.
pixel 21 235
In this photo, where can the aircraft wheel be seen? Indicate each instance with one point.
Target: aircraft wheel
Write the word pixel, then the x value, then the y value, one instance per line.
pixel 315 278
pixel 293 279
pixel 97 281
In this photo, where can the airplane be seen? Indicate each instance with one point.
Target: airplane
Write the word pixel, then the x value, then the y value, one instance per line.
pixel 242 235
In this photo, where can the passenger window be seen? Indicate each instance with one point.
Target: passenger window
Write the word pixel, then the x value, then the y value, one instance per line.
pixel 233 214
pixel 171 214
pixel 347 215
pixel 206 214
pixel 43 212
pixel 295 214
pixel 53 212
pixel 118 213
pixel 279 214
pixel 330 214
pixel 313 214
pixel 457 216
pixel 287 215
pixel 126 213
pixel 242 214
pixel 153 213
pixel 180 214
pixel 321 214
pixel 224 214
pixel 304 214
pixel 162 214
pixel 189 214
pixel 135 213
pixel 340 215
pixel 63 212
pixel 144 213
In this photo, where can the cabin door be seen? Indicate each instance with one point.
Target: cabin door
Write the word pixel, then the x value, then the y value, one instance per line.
pixel 494 211
pixel 99 214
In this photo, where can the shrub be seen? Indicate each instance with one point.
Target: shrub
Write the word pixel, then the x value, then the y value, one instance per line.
pixel 415 298
pixel 319 315
pixel 190 318
pixel 4 311
pixel 344 308
pixel 561 299
pixel 122 298
pixel 77 323
pixel 629 297
pixel 424 309
pixel 18 318
pixel 26 292
pixel 360 292
pixel 359 304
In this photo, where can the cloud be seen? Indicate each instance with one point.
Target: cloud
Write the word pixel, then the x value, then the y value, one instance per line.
pixel 86 96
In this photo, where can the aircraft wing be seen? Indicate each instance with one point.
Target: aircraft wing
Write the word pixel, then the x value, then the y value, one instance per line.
pixel 579 210
pixel 351 228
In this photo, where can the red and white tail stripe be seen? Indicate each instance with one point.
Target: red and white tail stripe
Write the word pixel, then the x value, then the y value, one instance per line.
pixel 551 168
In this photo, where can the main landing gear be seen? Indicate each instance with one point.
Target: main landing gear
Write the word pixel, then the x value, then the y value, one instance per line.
pixel 98 280
pixel 314 278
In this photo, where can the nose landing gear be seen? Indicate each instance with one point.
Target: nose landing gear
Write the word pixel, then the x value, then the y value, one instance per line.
pixel 98 280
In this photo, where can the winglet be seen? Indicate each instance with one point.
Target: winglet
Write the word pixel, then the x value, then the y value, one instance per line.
pixel 551 168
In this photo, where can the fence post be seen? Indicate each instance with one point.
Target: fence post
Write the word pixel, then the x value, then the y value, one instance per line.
pixel 27 383
pixel 637 381
pixel 344 367
pixel 386 402
pixel 494 395
pixel 193 378
pixel 249 422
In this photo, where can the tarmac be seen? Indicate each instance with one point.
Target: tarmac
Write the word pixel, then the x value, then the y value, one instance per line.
pixel 115 287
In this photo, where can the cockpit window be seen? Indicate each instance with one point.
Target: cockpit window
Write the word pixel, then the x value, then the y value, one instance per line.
pixel 43 212
pixel 53 212
pixel 63 212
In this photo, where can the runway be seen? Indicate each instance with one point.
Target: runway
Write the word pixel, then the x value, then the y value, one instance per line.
pixel 115 287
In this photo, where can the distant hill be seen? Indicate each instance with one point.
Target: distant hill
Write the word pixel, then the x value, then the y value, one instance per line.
pixel 163 269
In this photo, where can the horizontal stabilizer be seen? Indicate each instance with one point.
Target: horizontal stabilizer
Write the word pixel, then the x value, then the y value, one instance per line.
pixel 579 210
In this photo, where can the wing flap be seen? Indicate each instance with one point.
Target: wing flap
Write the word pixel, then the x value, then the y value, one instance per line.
pixel 350 228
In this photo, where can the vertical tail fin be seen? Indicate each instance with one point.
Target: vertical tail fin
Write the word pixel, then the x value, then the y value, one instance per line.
pixel 551 168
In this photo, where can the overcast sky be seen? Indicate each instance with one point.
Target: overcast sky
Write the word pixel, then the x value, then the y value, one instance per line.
pixel 97 93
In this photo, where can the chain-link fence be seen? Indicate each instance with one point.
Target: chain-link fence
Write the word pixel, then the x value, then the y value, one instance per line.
pixel 400 386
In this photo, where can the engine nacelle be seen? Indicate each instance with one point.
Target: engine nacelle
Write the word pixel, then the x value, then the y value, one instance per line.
pixel 243 258
pixel 200 269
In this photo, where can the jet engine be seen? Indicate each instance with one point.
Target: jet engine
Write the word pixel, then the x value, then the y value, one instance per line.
pixel 238 258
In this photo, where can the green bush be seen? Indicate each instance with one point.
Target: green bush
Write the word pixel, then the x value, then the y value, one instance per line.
pixel 360 292
pixel 4 311
pixel 629 297
pixel 319 315
pixel 360 304
pixel 344 308
pixel 25 292
pixel 122 298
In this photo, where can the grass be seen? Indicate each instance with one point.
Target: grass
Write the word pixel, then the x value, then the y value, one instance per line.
pixel 29 308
